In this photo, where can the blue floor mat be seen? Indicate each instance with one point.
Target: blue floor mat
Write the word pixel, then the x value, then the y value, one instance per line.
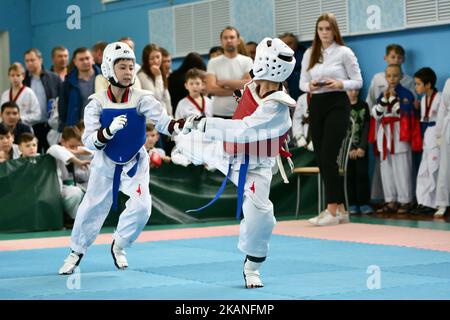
pixel 211 268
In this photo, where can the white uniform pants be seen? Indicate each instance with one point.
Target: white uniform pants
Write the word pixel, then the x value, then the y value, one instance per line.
pixel 396 177
pixel 443 180
pixel 427 178
pixel 258 222
pixel 97 202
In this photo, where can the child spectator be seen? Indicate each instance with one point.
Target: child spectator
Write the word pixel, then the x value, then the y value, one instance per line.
pixel 250 47
pixel 425 80
pixel 395 54
pixel 10 150
pixel 443 140
pixel 395 135
pixel 28 145
pixel 195 104
pixel 358 164
pixel 157 155
pixel 22 95
pixel 73 172
pixel 300 122
pixel 215 52
pixel 10 115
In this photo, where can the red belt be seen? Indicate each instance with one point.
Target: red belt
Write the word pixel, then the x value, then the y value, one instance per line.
pixel 391 122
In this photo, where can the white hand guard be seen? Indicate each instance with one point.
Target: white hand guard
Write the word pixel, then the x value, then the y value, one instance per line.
pixel 118 123
pixel 194 123
pixel 310 146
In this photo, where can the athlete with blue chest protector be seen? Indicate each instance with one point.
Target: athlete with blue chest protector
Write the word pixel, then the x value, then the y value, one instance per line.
pixel 115 128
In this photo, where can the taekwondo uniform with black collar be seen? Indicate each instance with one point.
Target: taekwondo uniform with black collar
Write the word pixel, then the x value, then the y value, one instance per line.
pixel 122 165
pixel 30 111
pixel 188 107
pixel 429 165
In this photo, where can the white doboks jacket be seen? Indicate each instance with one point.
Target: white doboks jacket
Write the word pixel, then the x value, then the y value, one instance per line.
pixel 144 103
pixel 399 146
pixel 63 156
pixel 30 111
pixel 270 120
pixel 429 165
pixel 186 108
pixel 430 135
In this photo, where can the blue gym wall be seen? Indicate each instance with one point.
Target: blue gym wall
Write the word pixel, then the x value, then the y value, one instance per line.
pixel 42 24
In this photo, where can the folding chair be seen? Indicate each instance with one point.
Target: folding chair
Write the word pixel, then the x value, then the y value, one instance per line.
pixel 342 161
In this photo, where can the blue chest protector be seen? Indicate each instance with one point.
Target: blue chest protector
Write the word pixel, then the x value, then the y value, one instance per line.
pixel 125 144
pixel 128 141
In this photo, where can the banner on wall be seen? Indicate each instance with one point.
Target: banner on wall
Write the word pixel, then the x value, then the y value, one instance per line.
pixel 366 16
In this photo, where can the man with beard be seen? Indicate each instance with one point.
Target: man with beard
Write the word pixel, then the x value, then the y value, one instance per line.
pixel 227 73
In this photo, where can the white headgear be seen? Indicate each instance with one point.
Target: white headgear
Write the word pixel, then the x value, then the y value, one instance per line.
pixel 274 60
pixel 113 52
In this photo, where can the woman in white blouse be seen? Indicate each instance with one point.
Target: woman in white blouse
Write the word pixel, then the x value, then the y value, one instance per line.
pixel 329 69
pixel 152 77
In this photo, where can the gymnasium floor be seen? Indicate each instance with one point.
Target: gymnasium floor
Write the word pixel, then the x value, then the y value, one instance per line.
pixel 360 260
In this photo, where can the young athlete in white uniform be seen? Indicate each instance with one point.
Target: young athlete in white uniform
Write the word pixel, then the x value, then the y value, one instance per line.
pixel 244 148
pixel 396 135
pixel 425 80
pixel 115 128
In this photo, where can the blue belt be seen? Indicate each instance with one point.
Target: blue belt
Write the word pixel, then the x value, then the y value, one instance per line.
pixel 116 179
pixel 243 169
pixel 425 125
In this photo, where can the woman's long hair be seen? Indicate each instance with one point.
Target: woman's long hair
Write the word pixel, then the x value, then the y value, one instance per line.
pixel 316 48
pixel 192 60
pixel 148 49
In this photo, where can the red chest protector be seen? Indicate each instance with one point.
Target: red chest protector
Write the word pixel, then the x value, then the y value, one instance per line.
pixel 264 148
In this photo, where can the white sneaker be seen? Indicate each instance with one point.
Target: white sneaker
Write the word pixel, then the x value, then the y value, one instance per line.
pixel 119 256
pixel 327 219
pixel 71 263
pixel 343 217
pixel 315 219
pixel 440 212
pixel 251 274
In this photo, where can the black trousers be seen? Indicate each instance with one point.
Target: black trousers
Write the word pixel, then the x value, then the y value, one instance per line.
pixel 40 131
pixel 329 119
pixel 358 183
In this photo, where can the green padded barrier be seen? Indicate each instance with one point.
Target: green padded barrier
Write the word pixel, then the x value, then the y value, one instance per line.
pixel 29 195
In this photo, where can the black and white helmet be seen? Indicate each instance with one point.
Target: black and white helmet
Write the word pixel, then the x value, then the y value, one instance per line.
pixel 274 60
pixel 113 52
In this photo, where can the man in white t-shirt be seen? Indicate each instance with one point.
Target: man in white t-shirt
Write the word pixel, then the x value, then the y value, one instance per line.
pixel 227 73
